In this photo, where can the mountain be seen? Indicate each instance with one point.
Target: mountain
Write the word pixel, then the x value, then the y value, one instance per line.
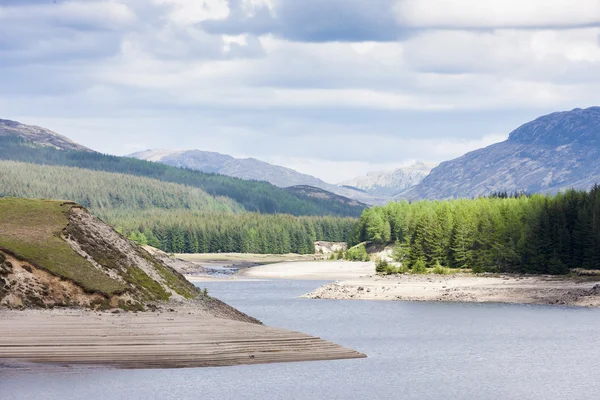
pixel 391 183
pixel 551 154
pixel 40 136
pixel 316 193
pixel 252 196
pixel 249 169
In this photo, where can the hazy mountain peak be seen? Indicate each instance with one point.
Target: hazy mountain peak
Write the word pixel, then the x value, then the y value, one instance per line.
pixel 391 183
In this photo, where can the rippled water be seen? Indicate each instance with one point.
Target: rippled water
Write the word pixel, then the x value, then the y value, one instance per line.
pixel 416 351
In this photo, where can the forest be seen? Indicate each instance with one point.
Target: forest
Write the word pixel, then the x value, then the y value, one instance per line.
pixel 535 234
pixel 173 217
pixel 253 196
pixel 196 232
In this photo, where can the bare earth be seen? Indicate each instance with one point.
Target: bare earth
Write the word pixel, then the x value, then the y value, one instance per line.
pixel 181 338
pixel 311 270
pixel 235 258
pixel 357 282
pixel 466 288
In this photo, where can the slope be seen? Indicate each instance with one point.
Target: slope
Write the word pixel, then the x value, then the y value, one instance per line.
pixel 551 154
pixel 253 196
pixel 38 135
pixel 56 253
pixel 249 169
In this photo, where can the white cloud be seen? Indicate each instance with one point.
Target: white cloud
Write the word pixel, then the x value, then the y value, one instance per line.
pixel 91 14
pixel 330 100
pixel 193 11
pixel 498 13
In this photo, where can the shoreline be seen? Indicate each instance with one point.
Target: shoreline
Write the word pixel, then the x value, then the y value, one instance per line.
pixel 357 281
pixel 466 288
pixel 179 337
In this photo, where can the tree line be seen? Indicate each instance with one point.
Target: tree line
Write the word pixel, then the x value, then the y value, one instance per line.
pixel 537 234
pixel 181 231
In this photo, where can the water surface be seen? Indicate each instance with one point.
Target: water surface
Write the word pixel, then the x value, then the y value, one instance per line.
pixel 416 351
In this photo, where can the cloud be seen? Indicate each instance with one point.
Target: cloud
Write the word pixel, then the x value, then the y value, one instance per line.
pixel 493 14
pixel 311 20
pixel 391 20
pixel 342 84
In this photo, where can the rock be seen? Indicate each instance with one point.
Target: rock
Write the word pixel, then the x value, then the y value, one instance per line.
pixel 27 268
pixel 6 268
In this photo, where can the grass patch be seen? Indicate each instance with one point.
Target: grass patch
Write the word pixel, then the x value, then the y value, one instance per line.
pixel 31 229
pixel 151 289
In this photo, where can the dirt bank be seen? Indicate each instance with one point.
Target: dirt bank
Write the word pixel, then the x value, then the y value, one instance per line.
pixel 183 337
pixel 467 288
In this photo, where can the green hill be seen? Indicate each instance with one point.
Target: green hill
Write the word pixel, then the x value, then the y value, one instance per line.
pixel 55 253
pixel 253 196
pixel 101 191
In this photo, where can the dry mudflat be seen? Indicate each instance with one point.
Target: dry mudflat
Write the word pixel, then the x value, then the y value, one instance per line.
pixel 467 288
pixel 357 281
pixel 310 270
pixel 179 338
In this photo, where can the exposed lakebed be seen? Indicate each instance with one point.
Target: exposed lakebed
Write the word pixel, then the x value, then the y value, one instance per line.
pixel 416 351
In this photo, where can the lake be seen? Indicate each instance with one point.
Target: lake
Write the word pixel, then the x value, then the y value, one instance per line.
pixel 416 351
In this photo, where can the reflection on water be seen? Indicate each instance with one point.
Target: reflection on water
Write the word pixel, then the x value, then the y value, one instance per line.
pixel 416 351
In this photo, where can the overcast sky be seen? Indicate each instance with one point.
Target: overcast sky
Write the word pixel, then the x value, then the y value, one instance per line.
pixel 334 88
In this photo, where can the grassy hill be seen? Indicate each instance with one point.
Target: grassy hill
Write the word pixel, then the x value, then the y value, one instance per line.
pixel 56 253
pixel 253 196
pixel 102 191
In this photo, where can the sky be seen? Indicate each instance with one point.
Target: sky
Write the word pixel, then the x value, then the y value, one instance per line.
pixel 333 88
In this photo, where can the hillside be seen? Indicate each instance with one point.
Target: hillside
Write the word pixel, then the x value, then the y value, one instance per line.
pixel 55 253
pixel 249 169
pixel 317 193
pixel 391 183
pixel 58 262
pixel 551 154
pixel 102 191
pixel 251 195
pixel 38 135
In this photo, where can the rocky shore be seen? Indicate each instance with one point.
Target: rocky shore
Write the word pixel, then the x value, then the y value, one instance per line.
pixel 467 288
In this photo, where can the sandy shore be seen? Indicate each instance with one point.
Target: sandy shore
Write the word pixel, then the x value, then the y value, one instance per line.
pixel 467 288
pixel 310 270
pixel 356 281
pixel 173 339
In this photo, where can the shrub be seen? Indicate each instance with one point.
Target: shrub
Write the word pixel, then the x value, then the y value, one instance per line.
pixel 419 267
pixel 438 269
pixel 358 253
pixel 382 266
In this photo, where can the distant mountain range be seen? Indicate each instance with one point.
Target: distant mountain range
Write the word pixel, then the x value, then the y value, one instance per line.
pixel 41 136
pixel 251 169
pixel 31 157
pixel 551 154
pixel 391 183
